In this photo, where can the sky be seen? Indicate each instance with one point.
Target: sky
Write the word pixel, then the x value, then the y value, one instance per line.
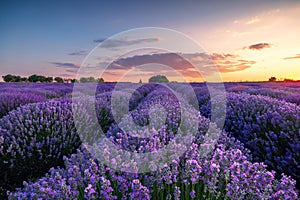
pixel 245 40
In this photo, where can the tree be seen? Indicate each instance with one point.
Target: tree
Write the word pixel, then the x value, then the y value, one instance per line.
pixel 158 79
pixel 41 79
pixel 87 79
pixel 59 79
pixel 11 78
pixel 33 78
pixel 73 80
pixel 91 79
pixel 140 81
pixel 288 80
pixel 100 80
pixel 272 79
pixel 83 80
pixel 48 79
pixel 8 78
pixel 24 79
pixel 17 79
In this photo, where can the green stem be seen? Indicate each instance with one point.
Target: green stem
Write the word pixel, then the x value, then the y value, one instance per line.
pixel 186 191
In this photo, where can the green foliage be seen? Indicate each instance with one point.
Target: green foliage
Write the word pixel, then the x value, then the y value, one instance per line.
pixel 24 79
pixel 59 79
pixel 11 78
pixel 158 79
pixel 100 80
pixel 33 78
pixel 43 79
pixel 87 80
pixel 39 78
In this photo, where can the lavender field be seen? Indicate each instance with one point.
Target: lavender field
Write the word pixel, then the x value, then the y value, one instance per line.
pixel 256 155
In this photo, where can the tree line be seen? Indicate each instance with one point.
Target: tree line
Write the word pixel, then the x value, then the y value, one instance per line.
pixel 47 79
pixel 274 79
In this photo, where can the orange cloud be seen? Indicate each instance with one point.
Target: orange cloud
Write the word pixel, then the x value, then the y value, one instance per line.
pixel 230 63
pixel 293 57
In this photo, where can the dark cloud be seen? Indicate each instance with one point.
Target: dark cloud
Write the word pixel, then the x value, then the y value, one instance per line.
pixel 170 59
pixel 66 65
pixel 78 53
pixel 113 43
pixel 65 75
pixel 71 70
pixel 292 57
pixel 99 40
pixel 258 46
pixel 111 73
pixel 184 63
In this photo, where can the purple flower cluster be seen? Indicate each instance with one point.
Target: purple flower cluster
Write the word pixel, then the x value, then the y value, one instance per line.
pixel 280 94
pixel 13 95
pixel 47 90
pixel 281 91
pixel 269 128
pixel 165 98
pixel 11 100
pixel 34 138
pixel 82 178
pixel 224 173
pixel 105 114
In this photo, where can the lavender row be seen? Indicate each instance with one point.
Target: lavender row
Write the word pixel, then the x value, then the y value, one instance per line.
pixel 127 100
pixel 288 95
pixel 13 95
pixel 11 100
pixel 223 174
pixel 34 138
pixel 48 90
pixel 268 127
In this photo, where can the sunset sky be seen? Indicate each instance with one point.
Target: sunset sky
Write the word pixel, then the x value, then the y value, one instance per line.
pixel 247 40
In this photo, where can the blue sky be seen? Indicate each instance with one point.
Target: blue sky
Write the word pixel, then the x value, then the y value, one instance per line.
pixel 37 34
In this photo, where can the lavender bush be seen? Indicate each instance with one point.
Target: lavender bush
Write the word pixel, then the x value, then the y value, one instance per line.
pixel 33 138
pixel 268 127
